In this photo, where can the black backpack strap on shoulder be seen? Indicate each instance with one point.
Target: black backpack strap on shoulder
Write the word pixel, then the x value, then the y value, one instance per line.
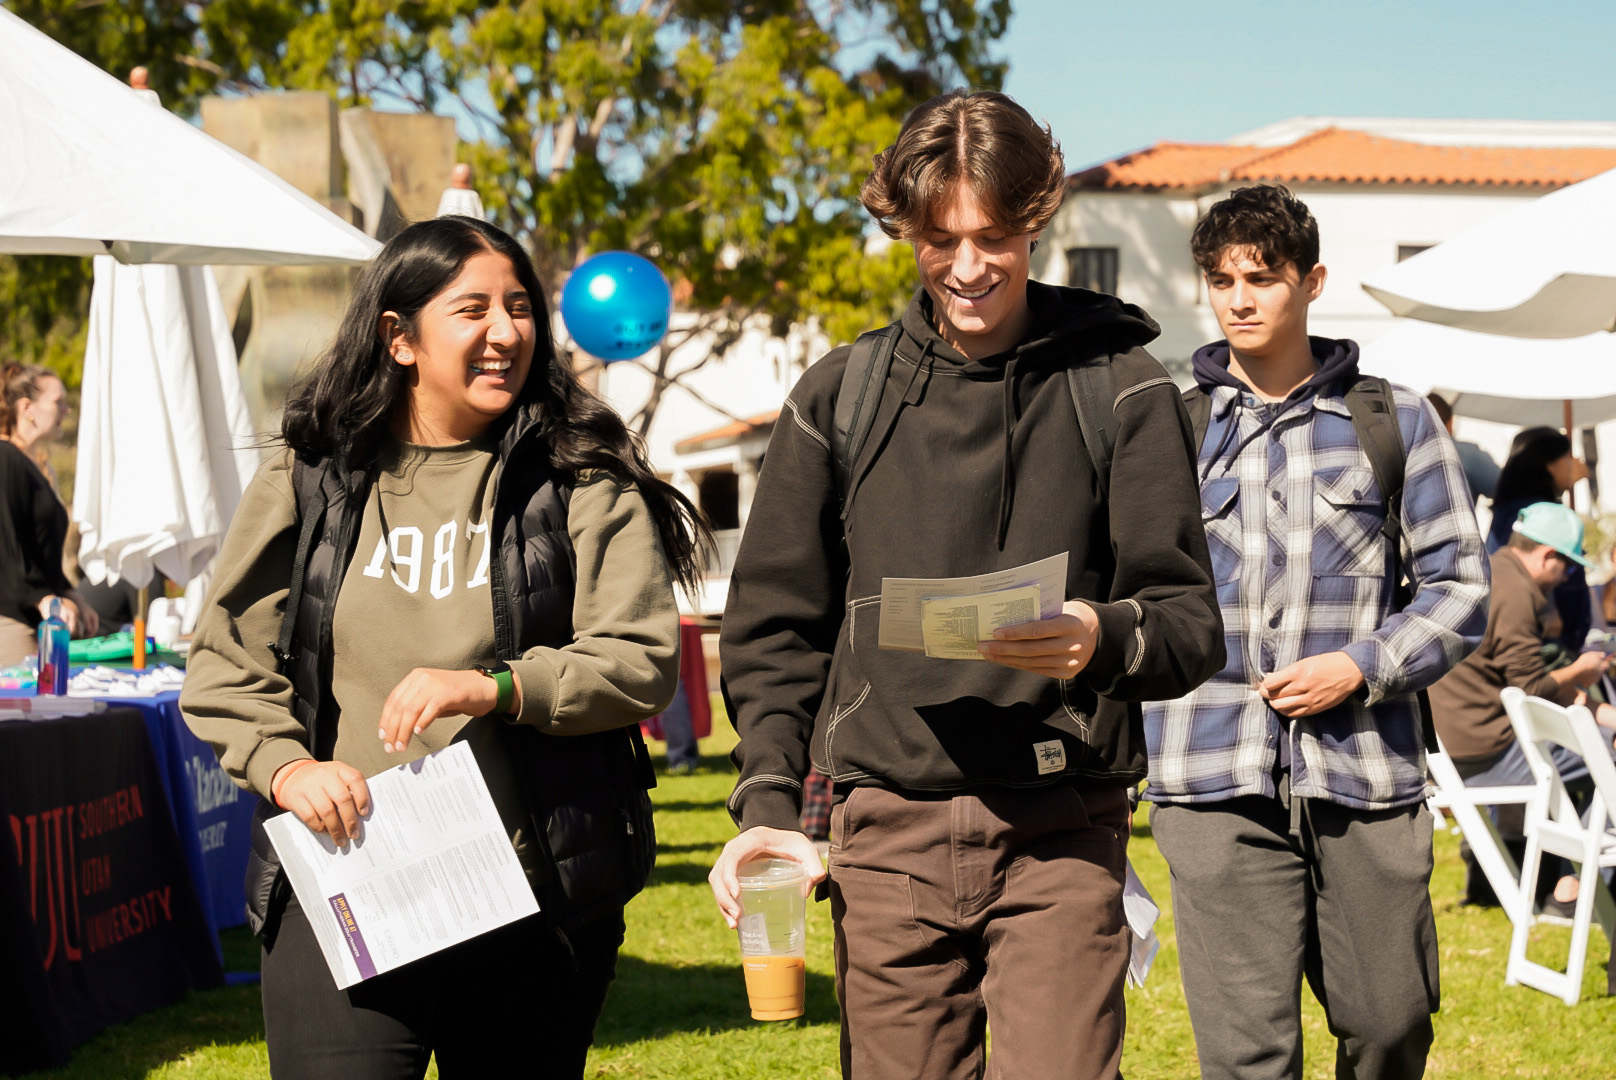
pixel 1094 399
pixel 1373 408
pixel 310 500
pixel 1374 417
pixel 857 401
pixel 1198 403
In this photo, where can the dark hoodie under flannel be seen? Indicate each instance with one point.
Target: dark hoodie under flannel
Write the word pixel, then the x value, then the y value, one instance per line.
pixel 1293 519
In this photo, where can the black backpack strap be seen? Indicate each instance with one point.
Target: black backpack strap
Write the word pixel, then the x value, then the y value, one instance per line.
pixel 307 492
pixel 857 401
pixel 1092 396
pixel 1374 417
pixel 1198 403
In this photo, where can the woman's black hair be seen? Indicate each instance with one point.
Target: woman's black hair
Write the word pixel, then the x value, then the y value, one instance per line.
pixel 1526 474
pixel 343 410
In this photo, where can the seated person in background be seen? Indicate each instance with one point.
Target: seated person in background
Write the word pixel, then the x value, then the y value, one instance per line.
pixel 1480 470
pixel 1546 544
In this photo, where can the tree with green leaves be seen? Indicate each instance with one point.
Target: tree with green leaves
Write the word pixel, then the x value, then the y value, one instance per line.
pixel 723 139
pixel 44 298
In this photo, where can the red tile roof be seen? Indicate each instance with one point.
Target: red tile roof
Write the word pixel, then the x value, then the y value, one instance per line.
pixel 1338 155
pixel 729 433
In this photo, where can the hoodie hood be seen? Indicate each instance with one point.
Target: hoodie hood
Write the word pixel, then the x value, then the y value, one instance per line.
pixel 1058 315
pixel 1066 323
pixel 1337 360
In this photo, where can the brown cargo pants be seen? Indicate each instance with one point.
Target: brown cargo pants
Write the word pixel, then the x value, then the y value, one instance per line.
pixel 997 909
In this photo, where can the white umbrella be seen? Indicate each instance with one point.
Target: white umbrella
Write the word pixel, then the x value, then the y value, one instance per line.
pixel 86 168
pixel 165 438
pixel 1509 380
pixel 1544 270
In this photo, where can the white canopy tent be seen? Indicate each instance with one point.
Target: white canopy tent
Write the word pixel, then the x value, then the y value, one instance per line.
pixel 89 169
pixel 1544 270
pixel 1507 380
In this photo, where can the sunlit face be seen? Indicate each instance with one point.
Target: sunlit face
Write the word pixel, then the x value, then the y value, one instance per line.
pixel 1261 309
pixel 976 274
pixel 42 415
pixel 471 354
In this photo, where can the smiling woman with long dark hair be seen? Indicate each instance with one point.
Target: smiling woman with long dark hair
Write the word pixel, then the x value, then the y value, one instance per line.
pixel 485 556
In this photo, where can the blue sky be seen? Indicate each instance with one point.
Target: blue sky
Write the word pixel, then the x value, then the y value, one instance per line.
pixel 1117 76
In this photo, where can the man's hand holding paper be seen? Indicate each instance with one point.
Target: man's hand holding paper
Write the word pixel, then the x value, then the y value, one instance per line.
pixel 1060 647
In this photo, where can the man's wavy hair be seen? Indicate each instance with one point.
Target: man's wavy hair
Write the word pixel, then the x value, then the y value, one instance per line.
pixel 1266 218
pixel 982 139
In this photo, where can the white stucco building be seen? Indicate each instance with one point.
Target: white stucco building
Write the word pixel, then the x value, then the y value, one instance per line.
pixel 709 432
pixel 1381 189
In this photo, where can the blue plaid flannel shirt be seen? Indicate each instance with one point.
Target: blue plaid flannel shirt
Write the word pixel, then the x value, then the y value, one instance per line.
pixel 1293 518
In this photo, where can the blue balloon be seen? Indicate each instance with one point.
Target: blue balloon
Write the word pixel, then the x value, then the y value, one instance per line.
pixel 616 306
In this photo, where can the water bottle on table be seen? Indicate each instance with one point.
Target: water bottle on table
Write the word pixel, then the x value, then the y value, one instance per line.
pixel 53 663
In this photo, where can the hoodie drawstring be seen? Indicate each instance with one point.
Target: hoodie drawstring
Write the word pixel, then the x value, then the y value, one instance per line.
pixel 1007 473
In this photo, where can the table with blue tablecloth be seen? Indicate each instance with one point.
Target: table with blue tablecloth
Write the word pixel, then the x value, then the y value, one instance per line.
pixel 100 917
pixel 211 814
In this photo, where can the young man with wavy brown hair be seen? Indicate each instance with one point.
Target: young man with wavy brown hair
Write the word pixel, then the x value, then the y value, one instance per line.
pixel 982 814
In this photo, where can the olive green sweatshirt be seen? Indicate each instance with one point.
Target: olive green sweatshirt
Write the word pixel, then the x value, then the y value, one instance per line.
pixel 416 594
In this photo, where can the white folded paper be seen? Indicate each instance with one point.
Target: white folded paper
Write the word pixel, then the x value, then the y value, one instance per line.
pixel 903 604
pixel 432 867
pixel 1141 912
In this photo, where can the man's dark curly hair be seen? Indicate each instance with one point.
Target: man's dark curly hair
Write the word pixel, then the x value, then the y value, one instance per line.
pixel 1266 218
pixel 982 139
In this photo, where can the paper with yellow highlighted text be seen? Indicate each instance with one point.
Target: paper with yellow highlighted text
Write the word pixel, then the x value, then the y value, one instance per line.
pixel 432 867
pixel 951 626
pixel 904 600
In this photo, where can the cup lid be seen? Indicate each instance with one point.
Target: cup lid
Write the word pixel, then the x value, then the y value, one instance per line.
pixel 770 873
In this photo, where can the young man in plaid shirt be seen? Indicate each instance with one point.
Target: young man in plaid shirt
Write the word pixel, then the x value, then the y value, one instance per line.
pixel 1289 789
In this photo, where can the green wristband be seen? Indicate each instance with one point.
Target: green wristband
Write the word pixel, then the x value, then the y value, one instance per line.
pixel 505 684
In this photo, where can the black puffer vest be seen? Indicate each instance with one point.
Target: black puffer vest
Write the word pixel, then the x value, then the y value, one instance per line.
pixel 576 806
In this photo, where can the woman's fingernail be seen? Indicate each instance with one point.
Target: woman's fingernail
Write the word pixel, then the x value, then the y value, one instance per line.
pixel 387 747
pixel 418 731
pixel 381 733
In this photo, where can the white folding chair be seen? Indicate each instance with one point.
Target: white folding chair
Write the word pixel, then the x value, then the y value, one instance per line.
pixel 1553 825
pixel 1467 805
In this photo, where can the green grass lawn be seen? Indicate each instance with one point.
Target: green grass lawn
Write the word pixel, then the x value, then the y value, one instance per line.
pixel 678 1008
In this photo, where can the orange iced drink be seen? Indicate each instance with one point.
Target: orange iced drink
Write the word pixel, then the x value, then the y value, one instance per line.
pixel 774 986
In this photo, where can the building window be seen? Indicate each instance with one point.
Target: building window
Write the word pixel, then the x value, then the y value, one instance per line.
pixel 1408 251
pixel 1092 268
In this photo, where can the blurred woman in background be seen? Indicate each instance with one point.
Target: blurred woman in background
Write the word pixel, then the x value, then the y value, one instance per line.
pixel 1541 468
pixel 33 521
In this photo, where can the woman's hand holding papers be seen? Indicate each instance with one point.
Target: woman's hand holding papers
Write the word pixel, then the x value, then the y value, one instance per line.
pixel 328 796
pixel 1060 647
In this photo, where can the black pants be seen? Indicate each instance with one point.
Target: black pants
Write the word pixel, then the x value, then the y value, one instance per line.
pixel 508 1003
pixel 1340 896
